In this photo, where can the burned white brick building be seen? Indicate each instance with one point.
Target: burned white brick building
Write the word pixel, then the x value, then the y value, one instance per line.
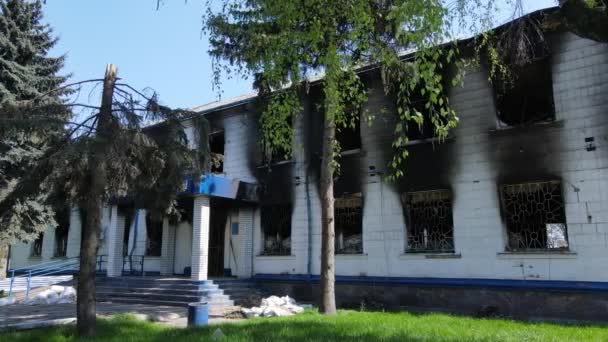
pixel 510 212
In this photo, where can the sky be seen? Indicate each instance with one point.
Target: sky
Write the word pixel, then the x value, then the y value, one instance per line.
pixel 163 49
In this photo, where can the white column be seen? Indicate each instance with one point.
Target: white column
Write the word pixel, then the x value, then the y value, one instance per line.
pixel 245 243
pixel 200 237
pixel 74 233
pixel 48 244
pixel 168 248
pixel 114 240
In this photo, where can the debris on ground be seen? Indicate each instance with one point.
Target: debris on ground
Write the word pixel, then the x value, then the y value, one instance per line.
pixel 54 295
pixel 7 301
pixel 274 306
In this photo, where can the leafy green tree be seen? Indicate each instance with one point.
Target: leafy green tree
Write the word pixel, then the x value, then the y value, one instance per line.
pixel 587 18
pixel 26 72
pixel 282 43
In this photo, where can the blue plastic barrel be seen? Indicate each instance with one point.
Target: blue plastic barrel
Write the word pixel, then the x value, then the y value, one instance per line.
pixel 198 314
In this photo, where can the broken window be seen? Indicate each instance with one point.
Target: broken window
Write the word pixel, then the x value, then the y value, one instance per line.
pixel 535 216
pixel 216 147
pixel 37 246
pixel 429 223
pixel 61 232
pixel 128 215
pixel 276 229
pixel 154 231
pixel 349 137
pixel 348 218
pixel 526 97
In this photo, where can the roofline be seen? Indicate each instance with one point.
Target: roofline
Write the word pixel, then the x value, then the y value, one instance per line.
pixel 365 68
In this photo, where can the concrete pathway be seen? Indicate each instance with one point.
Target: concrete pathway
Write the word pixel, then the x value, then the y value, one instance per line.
pixel 21 316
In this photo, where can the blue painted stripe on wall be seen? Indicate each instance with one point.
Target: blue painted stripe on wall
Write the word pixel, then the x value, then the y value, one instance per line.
pixel 508 284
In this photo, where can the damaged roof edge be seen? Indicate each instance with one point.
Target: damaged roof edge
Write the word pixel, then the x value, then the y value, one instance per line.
pixel 240 100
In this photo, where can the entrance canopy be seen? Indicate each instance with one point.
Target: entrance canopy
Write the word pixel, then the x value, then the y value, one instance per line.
pixel 216 186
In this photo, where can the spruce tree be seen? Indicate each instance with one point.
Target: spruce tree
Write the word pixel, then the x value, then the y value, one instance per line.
pixel 27 72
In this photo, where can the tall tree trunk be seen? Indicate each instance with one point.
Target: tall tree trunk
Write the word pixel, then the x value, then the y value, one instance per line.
pixel 3 259
pixel 328 278
pixel 85 306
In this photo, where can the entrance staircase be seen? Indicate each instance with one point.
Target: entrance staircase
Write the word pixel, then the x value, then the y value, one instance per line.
pixel 174 292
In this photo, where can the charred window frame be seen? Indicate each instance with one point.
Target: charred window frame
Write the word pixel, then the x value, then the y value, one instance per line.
pixel 276 229
pixel 429 221
pixel 525 96
pixel 154 236
pixel 348 220
pixel 217 144
pixel 535 216
pixel 274 154
pixel 127 213
pixel 61 232
pixel 36 250
pixel 349 137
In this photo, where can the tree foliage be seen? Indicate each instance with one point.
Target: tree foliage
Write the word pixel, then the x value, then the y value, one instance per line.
pixel 26 73
pixel 283 43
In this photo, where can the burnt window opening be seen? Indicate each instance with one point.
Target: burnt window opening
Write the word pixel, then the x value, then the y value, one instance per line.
pixel 277 148
pixel 419 103
pixel 348 218
pixel 349 137
pixel 527 96
pixel 154 234
pixel 216 149
pixel 37 246
pixel 128 215
pixel 61 232
pixel 429 223
pixel 276 229
pixel 535 216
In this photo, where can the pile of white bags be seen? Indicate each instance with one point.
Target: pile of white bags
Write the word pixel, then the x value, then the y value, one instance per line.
pixel 55 295
pixel 7 301
pixel 274 306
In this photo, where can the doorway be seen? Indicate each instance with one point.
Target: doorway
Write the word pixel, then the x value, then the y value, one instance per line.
pixel 217 229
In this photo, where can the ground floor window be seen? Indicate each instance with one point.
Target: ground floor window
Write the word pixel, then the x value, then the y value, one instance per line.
pixel 348 216
pixel 429 223
pixel 154 240
pixel 37 246
pixel 534 215
pixel 276 229
pixel 61 232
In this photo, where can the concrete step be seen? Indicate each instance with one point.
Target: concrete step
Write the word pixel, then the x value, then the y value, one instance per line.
pixel 187 292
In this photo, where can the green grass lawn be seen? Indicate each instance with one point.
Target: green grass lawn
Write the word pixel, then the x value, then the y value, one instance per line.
pixel 347 326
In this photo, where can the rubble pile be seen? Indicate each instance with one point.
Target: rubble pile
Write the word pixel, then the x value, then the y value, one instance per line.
pixel 274 306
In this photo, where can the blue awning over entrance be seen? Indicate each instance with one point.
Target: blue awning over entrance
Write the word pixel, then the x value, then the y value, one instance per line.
pixel 217 186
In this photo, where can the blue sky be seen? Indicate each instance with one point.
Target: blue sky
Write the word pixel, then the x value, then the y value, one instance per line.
pixel 164 50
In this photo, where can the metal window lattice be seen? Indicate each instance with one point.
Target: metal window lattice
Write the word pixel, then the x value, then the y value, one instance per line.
pixel 429 221
pixel 348 214
pixel 276 226
pixel 534 215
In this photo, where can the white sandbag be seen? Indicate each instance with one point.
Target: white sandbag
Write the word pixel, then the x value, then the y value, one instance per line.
pixel 7 301
pixel 57 289
pixel 274 306
pixel 69 293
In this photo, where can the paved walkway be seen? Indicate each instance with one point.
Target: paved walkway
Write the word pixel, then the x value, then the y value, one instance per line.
pixel 21 316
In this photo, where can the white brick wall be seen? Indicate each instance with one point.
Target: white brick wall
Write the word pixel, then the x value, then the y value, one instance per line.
pixel 115 241
pixel 74 233
pixel 245 242
pixel 580 86
pixel 168 249
pixel 580 75
pixel 200 237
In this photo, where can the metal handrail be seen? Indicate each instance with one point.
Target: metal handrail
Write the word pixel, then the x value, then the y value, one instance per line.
pixel 48 269
pixel 27 268
pixel 100 262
